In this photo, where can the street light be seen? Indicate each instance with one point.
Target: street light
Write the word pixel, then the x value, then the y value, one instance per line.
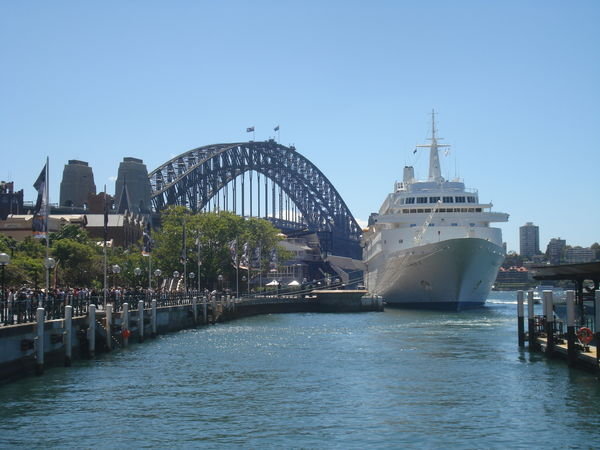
pixel 220 278
pixel 115 269
pixel 192 275
pixel 137 272
pixel 176 276
pixel 157 274
pixel 49 264
pixel 4 260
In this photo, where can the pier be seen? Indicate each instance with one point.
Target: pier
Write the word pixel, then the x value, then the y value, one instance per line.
pixel 568 328
pixel 81 328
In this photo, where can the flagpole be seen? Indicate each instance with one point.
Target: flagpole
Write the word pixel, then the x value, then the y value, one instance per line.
pixel 184 258
pixel 237 272
pixel 104 237
pixel 47 200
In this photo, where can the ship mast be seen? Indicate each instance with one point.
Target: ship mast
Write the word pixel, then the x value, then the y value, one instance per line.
pixel 435 172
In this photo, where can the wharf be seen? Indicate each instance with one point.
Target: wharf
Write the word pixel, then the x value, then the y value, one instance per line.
pixel 82 330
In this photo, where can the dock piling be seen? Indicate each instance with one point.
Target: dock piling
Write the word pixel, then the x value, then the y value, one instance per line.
pixel 530 320
pixel 91 333
pixel 520 318
pixel 597 325
pixel 39 339
pixel 549 316
pixel 571 349
pixel 67 338
pixel 154 318
pixel 109 321
pixel 141 320
pixel 195 309
pixel 204 310
pixel 125 324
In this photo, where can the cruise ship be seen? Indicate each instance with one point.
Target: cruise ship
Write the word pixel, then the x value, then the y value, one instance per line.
pixel 431 244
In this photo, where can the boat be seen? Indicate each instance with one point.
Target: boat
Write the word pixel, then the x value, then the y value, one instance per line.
pixel 431 245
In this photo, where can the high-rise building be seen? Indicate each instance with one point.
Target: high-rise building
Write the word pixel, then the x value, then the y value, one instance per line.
pixel 77 183
pixel 555 250
pixel 132 189
pixel 579 255
pixel 11 202
pixel 529 235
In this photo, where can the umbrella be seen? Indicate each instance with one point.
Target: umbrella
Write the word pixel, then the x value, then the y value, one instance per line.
pixel 273 283
pixel 293 283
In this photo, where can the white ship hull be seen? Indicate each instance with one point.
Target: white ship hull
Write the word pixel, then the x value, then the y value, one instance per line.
pixel 452 274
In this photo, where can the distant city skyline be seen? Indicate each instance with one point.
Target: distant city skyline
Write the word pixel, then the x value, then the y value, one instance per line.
pixel 350 84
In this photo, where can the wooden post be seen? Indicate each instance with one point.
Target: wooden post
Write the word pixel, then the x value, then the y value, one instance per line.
pixel 531 320
pixel 597 325
pixel 549 315
pixel 154 318
pixel 521 318
pixel 571 349
pixel 141 320
pixel 125 324
pixel 109 321
pixel 204 309
pixel 195 310
pixel 68 336
pixel 92 330
pixel 39 340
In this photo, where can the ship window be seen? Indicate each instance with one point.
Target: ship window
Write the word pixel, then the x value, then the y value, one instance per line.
pixel 421 199
pixel 457 210
pixel 477 209
pixel 460 199
pixel 419 210
pixel 471 209
pixel 413 225
pixel 471 199
pixel 432 224
pixel 410 200
pixel 442 210
pixel 454 224
pixel 405 211
pixel 413 210
pixel 471 224
pixel 448 200
pixel 400 241
pixel 427 210
pixel 433 199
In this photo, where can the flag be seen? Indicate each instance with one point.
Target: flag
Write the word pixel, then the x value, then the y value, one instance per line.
pixel 148 242
pixel 249 129
pixel 233 250
pixel 276 128
pixel 39 222
pixel 414 151
pixel 245 255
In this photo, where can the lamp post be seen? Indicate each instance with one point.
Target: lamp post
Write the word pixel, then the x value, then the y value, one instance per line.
pixel 49 264
pixel 4 260
pixel 191 275
pixel 244 280
pixel 220 279
pixel 157 273
pixel 115 269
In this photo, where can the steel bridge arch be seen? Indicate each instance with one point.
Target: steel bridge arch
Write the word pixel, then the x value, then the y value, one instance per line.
pixel 193 178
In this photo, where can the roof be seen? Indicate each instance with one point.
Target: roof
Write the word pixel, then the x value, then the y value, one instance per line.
pixel 581 271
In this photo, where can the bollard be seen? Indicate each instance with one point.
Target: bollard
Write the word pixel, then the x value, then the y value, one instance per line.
pixel 194 305
pixel 39 339
pixel 571 349
pixel 91 332
pixel 109 322
pixel 597 325
pixel 141 320
pixel 154 318
pixel 214 309
pixel 531 320
pixel 125 324
pixel 549 315
pixel 520 319
pixel 204 310
pixel 68 324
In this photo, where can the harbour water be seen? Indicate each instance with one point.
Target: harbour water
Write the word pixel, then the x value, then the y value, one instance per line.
pixel 393 379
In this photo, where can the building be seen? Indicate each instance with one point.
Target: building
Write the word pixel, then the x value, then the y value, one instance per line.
pixel 579 255
pixel 555 250
pixel 529 239
pixel 77 183
pixel 123 229
pixel 11 202
pixel 19 226
pixel 132 188
pixel 513 278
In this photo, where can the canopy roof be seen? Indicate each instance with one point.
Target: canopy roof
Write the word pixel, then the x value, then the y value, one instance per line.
pixel 582 271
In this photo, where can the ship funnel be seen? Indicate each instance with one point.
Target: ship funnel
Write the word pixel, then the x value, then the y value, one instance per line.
pixel 409 174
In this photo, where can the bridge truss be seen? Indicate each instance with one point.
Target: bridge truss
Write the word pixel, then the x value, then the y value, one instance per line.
pixel 259 179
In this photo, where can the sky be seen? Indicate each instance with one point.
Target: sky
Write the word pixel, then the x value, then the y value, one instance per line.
pixel 350 83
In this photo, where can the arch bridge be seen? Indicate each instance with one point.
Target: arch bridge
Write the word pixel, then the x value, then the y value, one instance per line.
pixel 259 179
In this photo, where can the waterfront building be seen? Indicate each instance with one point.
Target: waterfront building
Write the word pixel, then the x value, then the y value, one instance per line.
pixel 123 229
pixel 11 202
pixel 77 183
pixel 529 236
pixel 513 278
pixel 579 255
pixel 19 226
pixel 555 250
pixel 132 188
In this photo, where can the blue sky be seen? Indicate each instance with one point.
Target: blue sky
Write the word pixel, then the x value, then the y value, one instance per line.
pixel 351 83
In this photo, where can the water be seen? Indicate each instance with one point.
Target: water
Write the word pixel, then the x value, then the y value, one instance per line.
pixel 393 379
